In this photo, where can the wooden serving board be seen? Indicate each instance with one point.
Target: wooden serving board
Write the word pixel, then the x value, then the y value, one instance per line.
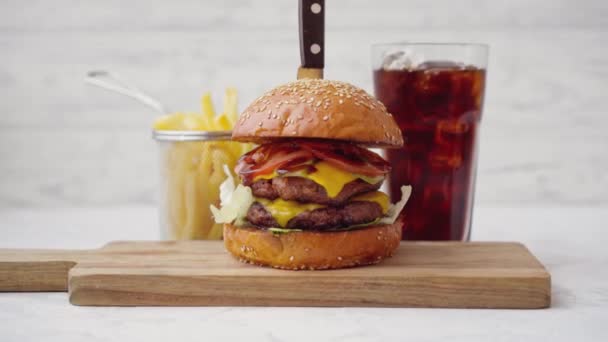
pixel 201 273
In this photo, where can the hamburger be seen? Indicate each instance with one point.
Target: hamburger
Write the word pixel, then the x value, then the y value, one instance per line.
pixel 308 196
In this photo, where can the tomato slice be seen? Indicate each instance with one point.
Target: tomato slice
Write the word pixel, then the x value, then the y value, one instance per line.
pixel 298 154
pixel 351 158
pixel 267 158
pixel 277 160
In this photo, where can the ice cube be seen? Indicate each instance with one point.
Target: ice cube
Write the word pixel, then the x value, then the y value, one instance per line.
pixel 400 60
pixel 447 159
pixel 450 132
pixel 441 65
pixel 453 127
pixel 436 195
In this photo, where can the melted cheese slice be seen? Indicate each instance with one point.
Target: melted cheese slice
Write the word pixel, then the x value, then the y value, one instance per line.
pixel 329 177
pixel 283 210
pixel 375 196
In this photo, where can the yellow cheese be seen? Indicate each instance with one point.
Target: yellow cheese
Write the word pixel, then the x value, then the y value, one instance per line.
pixel 283 210
pixel 331 178
pixel 268 176
pixel 376 196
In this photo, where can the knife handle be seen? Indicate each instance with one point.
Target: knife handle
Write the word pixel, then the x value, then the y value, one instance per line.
pixel 312 33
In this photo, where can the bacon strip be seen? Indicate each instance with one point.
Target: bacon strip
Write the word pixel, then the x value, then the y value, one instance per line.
pixel 298 154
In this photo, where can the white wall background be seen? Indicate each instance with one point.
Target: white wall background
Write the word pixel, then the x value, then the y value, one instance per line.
pixel 62 144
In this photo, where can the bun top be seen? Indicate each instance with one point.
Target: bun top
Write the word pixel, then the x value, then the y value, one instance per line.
pixel 320 109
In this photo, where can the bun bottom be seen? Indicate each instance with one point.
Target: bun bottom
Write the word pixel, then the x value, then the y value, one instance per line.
pixel 312 250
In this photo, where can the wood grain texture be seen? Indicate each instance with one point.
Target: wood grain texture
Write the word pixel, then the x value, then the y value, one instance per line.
pixel 570 242
pixel 65 144
pixel 36 270
pixel 201 273
pixel 452 275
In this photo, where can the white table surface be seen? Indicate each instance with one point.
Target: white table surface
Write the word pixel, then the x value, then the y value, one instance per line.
pixel 569 241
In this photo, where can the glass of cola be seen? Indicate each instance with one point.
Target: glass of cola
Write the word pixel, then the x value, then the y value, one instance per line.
pixel 436 93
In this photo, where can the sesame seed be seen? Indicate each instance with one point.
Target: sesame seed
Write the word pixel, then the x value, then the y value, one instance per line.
pixel 325 118
pixel 275 116
pixel 340 258
pixel 291 258
pixel 294 132
pixel 340 101
pixel 379 237
pixel 318 104
pixel 260 123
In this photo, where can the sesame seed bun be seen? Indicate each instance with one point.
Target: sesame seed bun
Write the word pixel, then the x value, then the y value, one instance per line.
pixel 322 109
pixel 312 250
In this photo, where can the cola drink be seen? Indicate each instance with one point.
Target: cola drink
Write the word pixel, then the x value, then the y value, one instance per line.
pixel 438 107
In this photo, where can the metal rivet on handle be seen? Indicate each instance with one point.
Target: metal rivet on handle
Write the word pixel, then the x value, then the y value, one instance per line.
pixel 315 48
pixel 315 8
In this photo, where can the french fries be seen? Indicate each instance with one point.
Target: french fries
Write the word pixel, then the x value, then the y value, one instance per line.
pixel 191 171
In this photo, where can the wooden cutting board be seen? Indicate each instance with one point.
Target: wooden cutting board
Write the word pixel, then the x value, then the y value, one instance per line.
pixel 201 273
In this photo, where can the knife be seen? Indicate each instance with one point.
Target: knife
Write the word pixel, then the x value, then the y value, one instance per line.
pixel 312 38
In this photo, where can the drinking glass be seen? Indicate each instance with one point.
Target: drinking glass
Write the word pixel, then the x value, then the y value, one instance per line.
pixel 435 92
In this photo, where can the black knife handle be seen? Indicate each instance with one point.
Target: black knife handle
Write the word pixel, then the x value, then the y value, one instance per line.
pixel 312 33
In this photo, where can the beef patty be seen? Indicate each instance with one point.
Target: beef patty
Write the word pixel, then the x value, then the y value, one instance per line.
pixel 307 191
pixel 351 213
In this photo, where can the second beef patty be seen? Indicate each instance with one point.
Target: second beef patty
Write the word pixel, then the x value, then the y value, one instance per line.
pixel 352 213
pixel 307 191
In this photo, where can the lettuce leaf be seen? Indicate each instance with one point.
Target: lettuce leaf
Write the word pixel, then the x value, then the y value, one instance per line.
pixel 235 200
pixel 392 215
pixel 275 230
pixel 395 209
